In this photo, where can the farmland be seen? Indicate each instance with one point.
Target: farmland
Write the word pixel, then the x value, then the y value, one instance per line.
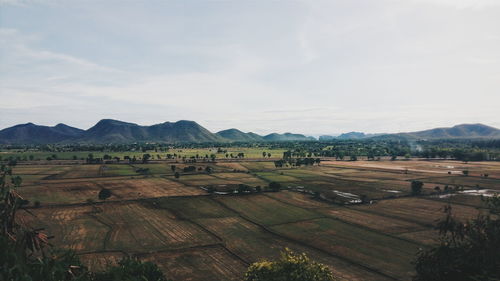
pixel 360 218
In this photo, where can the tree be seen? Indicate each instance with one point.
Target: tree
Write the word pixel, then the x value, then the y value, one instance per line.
pixel 172 167
pixel 104 194
pixel 467 251
pixel 177 175
pixel 416 187
pixel 146 157
pixel 274 186
pixel 465 172
pixel 289 267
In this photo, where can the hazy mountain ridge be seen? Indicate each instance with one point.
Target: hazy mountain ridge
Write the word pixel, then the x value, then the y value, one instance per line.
pixel 287 137
pixel 30 133
pixel 114 131
pixel 458 131
pixel 237 135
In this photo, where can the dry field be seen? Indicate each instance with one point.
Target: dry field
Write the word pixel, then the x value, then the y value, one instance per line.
pixel 193 235
pixel 126 189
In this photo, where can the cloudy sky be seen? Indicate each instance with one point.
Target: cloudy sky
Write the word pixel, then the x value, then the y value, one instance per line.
pixel 313 67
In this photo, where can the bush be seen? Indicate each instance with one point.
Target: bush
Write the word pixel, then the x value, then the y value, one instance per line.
pixel 290 267
pixel 416 187
pixel 274 186
pixel 104 194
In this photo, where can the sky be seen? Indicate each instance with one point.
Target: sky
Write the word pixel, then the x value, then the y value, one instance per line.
pixel 311 67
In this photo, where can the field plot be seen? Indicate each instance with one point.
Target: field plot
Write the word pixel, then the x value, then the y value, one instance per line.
pixel 241 178
pixel 205 263
pixel 276 176
pixel 389 255
pixel 266 210
pixel 373 190
pixel 148 188
pixel 79 171
pixel 72 227
pixel 118 170
pixel 380 223
pixel 420 211
pixel 232 166
pixel 39 169
pixel 428 237
pixel 252 243
pixel 370 174
pixel 434 168
pixel 77 192
pixel 194 207
pixel 298 199
pixel 137 227
pixel 465 199
pixel 99 261
pixel 466 181
pixel 259 165
pixel 80 191
pixel 204 179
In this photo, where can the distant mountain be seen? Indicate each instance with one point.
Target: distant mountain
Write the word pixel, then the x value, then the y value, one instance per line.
pixel 352 135
pixel 326 138
pixel 30 133
pixel 348 136
pixel 459 131
pixel 114 131
pixel 287 137
pixel 237 135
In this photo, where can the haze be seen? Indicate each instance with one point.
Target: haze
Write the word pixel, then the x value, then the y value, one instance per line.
pixel 312 67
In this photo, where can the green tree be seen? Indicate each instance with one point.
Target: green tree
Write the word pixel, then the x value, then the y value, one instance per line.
pixel 289 267
pixel 467 251
pixel 274 186
pixel 104 194
pixel 416 187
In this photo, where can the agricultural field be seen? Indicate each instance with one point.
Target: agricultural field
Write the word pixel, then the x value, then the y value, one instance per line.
pixel 193 234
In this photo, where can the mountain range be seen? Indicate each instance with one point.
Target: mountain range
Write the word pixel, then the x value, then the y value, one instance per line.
pixel 114 131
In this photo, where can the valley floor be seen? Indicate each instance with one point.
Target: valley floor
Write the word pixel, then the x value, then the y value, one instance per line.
pixel 194 235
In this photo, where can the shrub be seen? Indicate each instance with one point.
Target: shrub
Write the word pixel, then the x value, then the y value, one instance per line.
pixel 104 194
pixel 289 267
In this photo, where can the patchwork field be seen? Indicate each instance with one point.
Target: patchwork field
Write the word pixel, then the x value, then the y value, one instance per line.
pixel 195 235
